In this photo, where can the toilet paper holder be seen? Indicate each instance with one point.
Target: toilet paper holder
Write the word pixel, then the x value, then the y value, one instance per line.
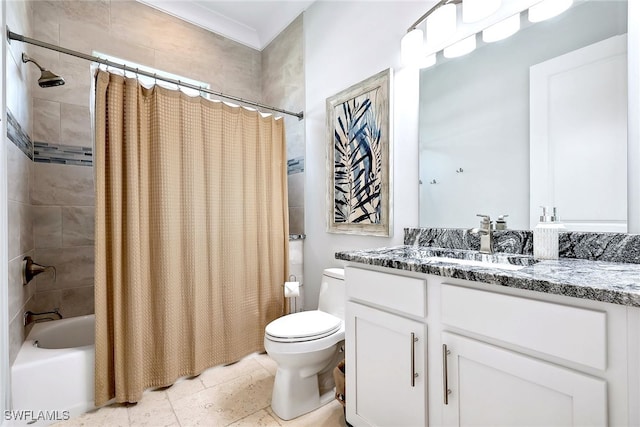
pixel 292 278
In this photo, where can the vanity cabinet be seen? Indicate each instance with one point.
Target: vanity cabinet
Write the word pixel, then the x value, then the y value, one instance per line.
pixel 386 342
pixel 485 354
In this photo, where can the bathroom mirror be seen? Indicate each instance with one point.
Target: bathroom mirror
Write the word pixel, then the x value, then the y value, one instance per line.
pixel 475 125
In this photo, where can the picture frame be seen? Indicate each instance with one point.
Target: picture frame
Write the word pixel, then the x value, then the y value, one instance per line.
pixel 359 139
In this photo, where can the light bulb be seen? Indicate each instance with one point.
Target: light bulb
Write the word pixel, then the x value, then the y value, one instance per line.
pixel 502 29
pixel 441 24
pixel 548 9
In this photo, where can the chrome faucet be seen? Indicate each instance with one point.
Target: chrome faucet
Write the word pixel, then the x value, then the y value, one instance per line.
pixel 486 234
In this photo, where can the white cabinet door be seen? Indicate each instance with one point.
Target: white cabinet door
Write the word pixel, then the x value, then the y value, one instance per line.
pixel 384 352
pixel 491 386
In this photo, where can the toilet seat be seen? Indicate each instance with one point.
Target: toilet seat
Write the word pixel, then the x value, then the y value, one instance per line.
pixel 303 326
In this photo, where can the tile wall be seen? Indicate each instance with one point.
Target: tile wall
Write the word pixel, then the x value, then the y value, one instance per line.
pixel 63 216
pixel 283 85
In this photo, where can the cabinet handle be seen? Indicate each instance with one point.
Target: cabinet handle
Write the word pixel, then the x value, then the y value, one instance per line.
pixel 414 374
pixel 445 375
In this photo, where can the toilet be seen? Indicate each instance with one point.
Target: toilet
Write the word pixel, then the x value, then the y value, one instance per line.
pixel 304 345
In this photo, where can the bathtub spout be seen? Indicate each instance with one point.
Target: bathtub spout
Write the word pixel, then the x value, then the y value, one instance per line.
pixel 31 317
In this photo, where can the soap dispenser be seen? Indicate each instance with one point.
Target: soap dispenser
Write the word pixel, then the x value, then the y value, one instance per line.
pixel 546 235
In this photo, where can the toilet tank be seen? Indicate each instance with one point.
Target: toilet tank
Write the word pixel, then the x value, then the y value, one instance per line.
pixel 332 292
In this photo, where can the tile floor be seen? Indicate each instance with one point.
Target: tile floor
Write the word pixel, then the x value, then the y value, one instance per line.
pixel 237 395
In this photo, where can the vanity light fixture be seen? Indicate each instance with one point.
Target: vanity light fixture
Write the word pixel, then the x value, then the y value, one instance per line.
pixel 441 24
pixel 548 9
pixel 501 30
pixel 476 10
pixel 486 16
pixel 464 46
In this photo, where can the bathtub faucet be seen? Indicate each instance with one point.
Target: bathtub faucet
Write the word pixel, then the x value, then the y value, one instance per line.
pixel 31 269
pixel 31 317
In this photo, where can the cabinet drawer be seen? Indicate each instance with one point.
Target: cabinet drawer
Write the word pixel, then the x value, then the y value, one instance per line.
pixel 571 333
pixel 405 294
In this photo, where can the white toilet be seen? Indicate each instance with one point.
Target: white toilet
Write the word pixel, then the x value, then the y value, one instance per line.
pixel 305 344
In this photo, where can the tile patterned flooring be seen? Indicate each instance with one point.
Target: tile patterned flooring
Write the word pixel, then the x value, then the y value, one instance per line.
pixel 237 395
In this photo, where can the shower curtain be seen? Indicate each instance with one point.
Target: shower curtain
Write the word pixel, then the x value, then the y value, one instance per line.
pixel 191 234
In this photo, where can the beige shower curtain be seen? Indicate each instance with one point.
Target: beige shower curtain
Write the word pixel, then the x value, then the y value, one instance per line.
pixel 191 234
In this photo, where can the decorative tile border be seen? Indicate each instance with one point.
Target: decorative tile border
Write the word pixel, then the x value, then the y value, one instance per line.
pixel 62 154
pixel 43 152
pixel 295 165
pixel 18 136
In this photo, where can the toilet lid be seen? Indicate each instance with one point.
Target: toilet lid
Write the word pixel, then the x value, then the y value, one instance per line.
pixel 303 326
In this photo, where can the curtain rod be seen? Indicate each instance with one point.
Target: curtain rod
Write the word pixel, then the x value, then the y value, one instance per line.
pixel 14 36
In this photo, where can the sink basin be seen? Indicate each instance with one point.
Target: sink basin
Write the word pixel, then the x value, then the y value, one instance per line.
pixel 505 261
pixel 474 263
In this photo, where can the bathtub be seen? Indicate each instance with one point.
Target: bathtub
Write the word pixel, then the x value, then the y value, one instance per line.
pixel 52 378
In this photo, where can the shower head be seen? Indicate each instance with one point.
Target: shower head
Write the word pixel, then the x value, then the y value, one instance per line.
pixel 47 78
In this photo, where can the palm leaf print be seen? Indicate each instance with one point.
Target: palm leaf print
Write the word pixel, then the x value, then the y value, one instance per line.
pixel 358 161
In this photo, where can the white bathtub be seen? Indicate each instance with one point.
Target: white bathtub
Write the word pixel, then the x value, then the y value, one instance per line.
pixel 54 378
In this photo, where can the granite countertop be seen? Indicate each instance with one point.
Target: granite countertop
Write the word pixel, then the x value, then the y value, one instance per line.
pixel 612 282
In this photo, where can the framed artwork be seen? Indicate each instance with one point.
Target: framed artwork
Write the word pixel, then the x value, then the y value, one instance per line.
pixel 358 158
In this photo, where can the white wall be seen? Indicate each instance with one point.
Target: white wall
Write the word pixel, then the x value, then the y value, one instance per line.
pixel 345 43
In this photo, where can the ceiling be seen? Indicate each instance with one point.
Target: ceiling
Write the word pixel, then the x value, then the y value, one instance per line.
pixel 254 23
